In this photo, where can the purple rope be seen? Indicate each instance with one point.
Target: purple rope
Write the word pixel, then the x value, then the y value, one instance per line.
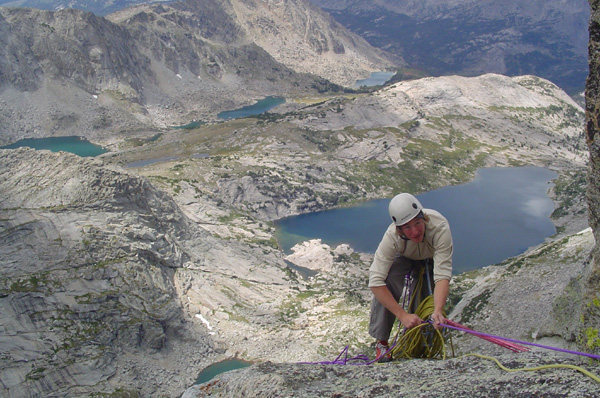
pixel 342 359
pixel 522 342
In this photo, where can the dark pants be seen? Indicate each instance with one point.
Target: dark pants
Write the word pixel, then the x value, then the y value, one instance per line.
pixel 382 320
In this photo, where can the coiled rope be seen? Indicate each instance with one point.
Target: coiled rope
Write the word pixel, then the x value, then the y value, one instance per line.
pixel 421 341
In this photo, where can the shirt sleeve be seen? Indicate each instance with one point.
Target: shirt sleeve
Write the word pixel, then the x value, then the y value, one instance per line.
pixel 442 257
pixel 384 257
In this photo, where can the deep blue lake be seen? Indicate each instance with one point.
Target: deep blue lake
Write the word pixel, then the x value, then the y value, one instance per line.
pixel 77 145
pixel 501 213
pixel 259 107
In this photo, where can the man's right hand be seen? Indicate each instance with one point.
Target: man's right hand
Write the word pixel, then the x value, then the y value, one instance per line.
pixel 384 296
pixel 410 320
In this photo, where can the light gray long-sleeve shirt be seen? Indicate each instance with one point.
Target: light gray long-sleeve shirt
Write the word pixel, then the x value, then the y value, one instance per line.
pixel 436 244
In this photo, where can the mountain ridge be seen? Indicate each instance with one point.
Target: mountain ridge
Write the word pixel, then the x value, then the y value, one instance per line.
pixel 70 72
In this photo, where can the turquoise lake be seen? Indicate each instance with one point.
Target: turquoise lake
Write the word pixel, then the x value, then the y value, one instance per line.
pixel 500 214
pixel 259 107
pixel 219 367
pixel 77 145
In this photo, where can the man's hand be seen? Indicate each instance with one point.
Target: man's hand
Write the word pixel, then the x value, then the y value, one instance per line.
pixel 384 296
pixel 410 320
pixel 440 295
pixel 437 318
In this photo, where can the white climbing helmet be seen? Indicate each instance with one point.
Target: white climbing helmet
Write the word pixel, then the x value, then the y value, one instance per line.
pixel 404 207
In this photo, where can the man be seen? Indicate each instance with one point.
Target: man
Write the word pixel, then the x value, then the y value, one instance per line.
pixel 416 237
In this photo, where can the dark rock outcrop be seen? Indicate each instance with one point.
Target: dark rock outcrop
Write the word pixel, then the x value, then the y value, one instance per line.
pixel 591 317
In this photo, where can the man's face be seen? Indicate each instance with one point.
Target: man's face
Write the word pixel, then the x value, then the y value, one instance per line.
pixel 414 229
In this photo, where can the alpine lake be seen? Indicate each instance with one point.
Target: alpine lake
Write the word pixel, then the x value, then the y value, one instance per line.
pixel 74 144
pixel 500 214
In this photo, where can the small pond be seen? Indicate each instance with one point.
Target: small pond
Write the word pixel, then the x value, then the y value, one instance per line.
pixel 259 107
pixel 219 367
pixel 376 79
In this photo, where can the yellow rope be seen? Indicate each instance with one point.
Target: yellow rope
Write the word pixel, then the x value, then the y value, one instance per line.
pixel 422 341
pixel 535 368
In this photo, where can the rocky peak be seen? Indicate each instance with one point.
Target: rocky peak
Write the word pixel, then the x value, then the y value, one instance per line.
pixel 68 46
pixel 77 73
pixel 152 66
pixel 204 19
pixel 304 38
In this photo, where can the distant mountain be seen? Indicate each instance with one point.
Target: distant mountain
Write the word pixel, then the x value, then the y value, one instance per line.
pixel 547 38
pixel 98 7
pixel 71 72
pixel 306 39
pixel 295 32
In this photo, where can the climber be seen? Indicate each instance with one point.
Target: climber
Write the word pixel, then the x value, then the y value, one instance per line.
pixel 414 239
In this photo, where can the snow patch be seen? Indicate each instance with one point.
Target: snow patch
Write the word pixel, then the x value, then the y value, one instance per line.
pixel 204 321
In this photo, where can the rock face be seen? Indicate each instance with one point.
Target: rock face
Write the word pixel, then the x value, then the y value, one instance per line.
pixel 107 287
pixel 523 298
pixel 71 72
pixel 305 39
pixel 466 377
pixel 592 108
pixel 87 292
